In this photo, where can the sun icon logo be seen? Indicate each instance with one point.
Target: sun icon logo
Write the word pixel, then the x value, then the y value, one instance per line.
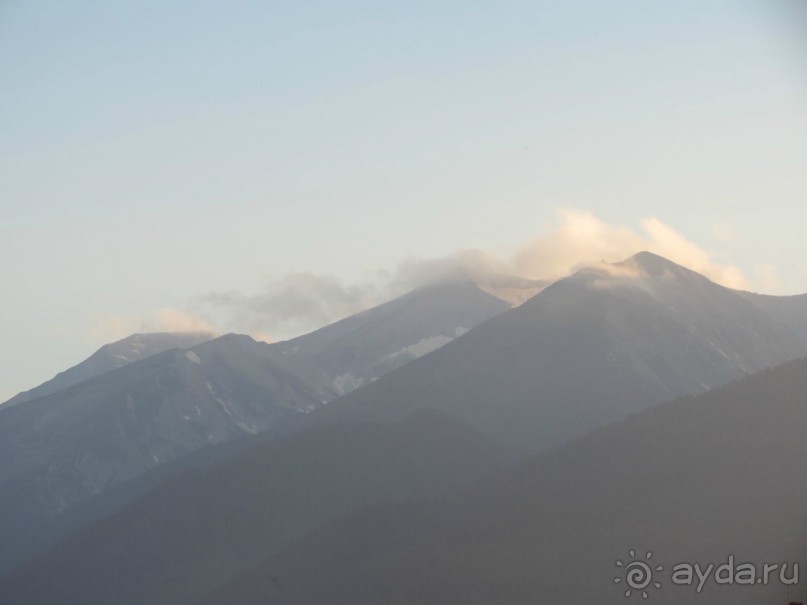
pixel 637 574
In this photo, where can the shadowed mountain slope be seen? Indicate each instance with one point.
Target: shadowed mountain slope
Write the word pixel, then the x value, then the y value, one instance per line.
pixel 790 311
pixel 201 528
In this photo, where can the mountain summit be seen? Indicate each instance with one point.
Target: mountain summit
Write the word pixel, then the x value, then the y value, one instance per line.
pixel 359 349
pixel 609 340
pixel 653 264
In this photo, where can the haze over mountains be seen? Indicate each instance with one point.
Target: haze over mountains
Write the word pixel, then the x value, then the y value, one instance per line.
pixel 603 343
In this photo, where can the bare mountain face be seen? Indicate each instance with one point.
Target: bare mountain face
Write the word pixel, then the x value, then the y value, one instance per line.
pixel 590 349
pixel 359 349
pixel 695 481
pixel 61 450
pixel 113 356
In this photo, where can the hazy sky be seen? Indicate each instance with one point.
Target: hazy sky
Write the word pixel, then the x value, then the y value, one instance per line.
pixel 159 155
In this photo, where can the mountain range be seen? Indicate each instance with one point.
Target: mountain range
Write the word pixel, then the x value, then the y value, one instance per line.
pixel 605 343
pixel 117 418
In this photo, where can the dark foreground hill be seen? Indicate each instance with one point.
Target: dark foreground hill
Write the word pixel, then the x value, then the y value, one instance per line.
pixel 696 480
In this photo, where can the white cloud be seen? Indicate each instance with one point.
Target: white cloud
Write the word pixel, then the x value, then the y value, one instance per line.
pixel 288 305
pixel 296 303
pixel 579 238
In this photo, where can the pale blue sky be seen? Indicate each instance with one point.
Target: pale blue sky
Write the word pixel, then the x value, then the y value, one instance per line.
pixel 156 151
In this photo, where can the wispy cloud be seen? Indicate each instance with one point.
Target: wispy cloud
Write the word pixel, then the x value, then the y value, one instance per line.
pixel 288 305
pixel 296 303
pixel 576 238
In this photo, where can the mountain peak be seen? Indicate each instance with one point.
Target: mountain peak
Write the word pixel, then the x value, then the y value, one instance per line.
pixel 654 265
pixel 651 262
pixel 643 268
